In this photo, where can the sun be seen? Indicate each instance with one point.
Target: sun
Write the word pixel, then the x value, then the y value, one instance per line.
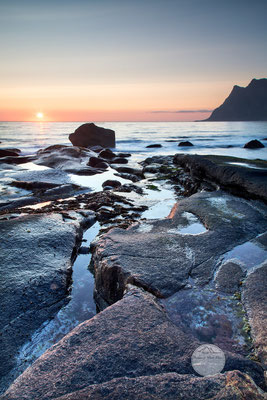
pixel 40 115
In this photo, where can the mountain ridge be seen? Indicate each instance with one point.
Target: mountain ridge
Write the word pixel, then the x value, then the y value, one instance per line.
pixel 244 103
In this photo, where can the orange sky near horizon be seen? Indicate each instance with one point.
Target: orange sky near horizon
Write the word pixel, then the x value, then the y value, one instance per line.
pixel 135 102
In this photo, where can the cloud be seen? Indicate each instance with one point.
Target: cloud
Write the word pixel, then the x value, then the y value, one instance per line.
pixel 179 111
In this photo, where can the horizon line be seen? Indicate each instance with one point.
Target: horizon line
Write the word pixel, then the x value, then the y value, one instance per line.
pixel 103 121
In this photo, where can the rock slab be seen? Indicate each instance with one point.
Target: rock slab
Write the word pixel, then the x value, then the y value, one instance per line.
pixel 36 254
pixel 129 351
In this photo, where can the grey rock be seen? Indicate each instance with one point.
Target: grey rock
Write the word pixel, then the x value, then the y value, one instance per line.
pixel 131 350
pixel 64 157
pixel 91 135
pixel 126 340
pixel 36 256
pixel 157 257
pixel 129 170
pixel 128 187
pixel 240 180
pixel 229 277
pixel 172 386
pixel 255 300
pixel 130 177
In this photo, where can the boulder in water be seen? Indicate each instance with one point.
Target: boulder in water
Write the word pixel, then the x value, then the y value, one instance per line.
pixel 185 144
pixel 254 144
pixel 91 135
pixel 151 146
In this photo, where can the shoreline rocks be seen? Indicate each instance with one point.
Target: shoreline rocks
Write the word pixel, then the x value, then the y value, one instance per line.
pixel 238 179
pixel 163 286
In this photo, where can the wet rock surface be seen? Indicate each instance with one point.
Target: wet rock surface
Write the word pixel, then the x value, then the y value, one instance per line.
pixel 255 300
pixel 196 260
pixel 238 179
pixel 172 386
pixel 67 158
pixel 37 252
pixel 159 257
pixel 229 277
pixel 132 342
pixel 16 159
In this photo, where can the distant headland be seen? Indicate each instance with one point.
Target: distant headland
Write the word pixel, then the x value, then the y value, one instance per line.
pixel 244 103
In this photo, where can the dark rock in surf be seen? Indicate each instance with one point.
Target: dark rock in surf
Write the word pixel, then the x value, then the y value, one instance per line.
pixel 111 183
pixel 185 144
pixel 151 146
pixel 17 159
pixel 34 185
pixel 129 170
pixel 126 155
pixel 253 144
pixel 9 152
pixel 107 154
pixel 91 135
pixel 97 163
pixel 119 160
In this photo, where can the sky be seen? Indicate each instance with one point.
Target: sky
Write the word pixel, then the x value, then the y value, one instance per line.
pixel 127 60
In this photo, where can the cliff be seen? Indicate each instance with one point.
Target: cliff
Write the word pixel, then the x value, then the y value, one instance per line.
pixel 244 104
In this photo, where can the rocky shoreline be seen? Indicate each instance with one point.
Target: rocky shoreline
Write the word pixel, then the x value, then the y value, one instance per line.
pixel 164 286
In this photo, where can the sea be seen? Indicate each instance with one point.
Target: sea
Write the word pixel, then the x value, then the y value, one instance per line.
pixel 223 138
